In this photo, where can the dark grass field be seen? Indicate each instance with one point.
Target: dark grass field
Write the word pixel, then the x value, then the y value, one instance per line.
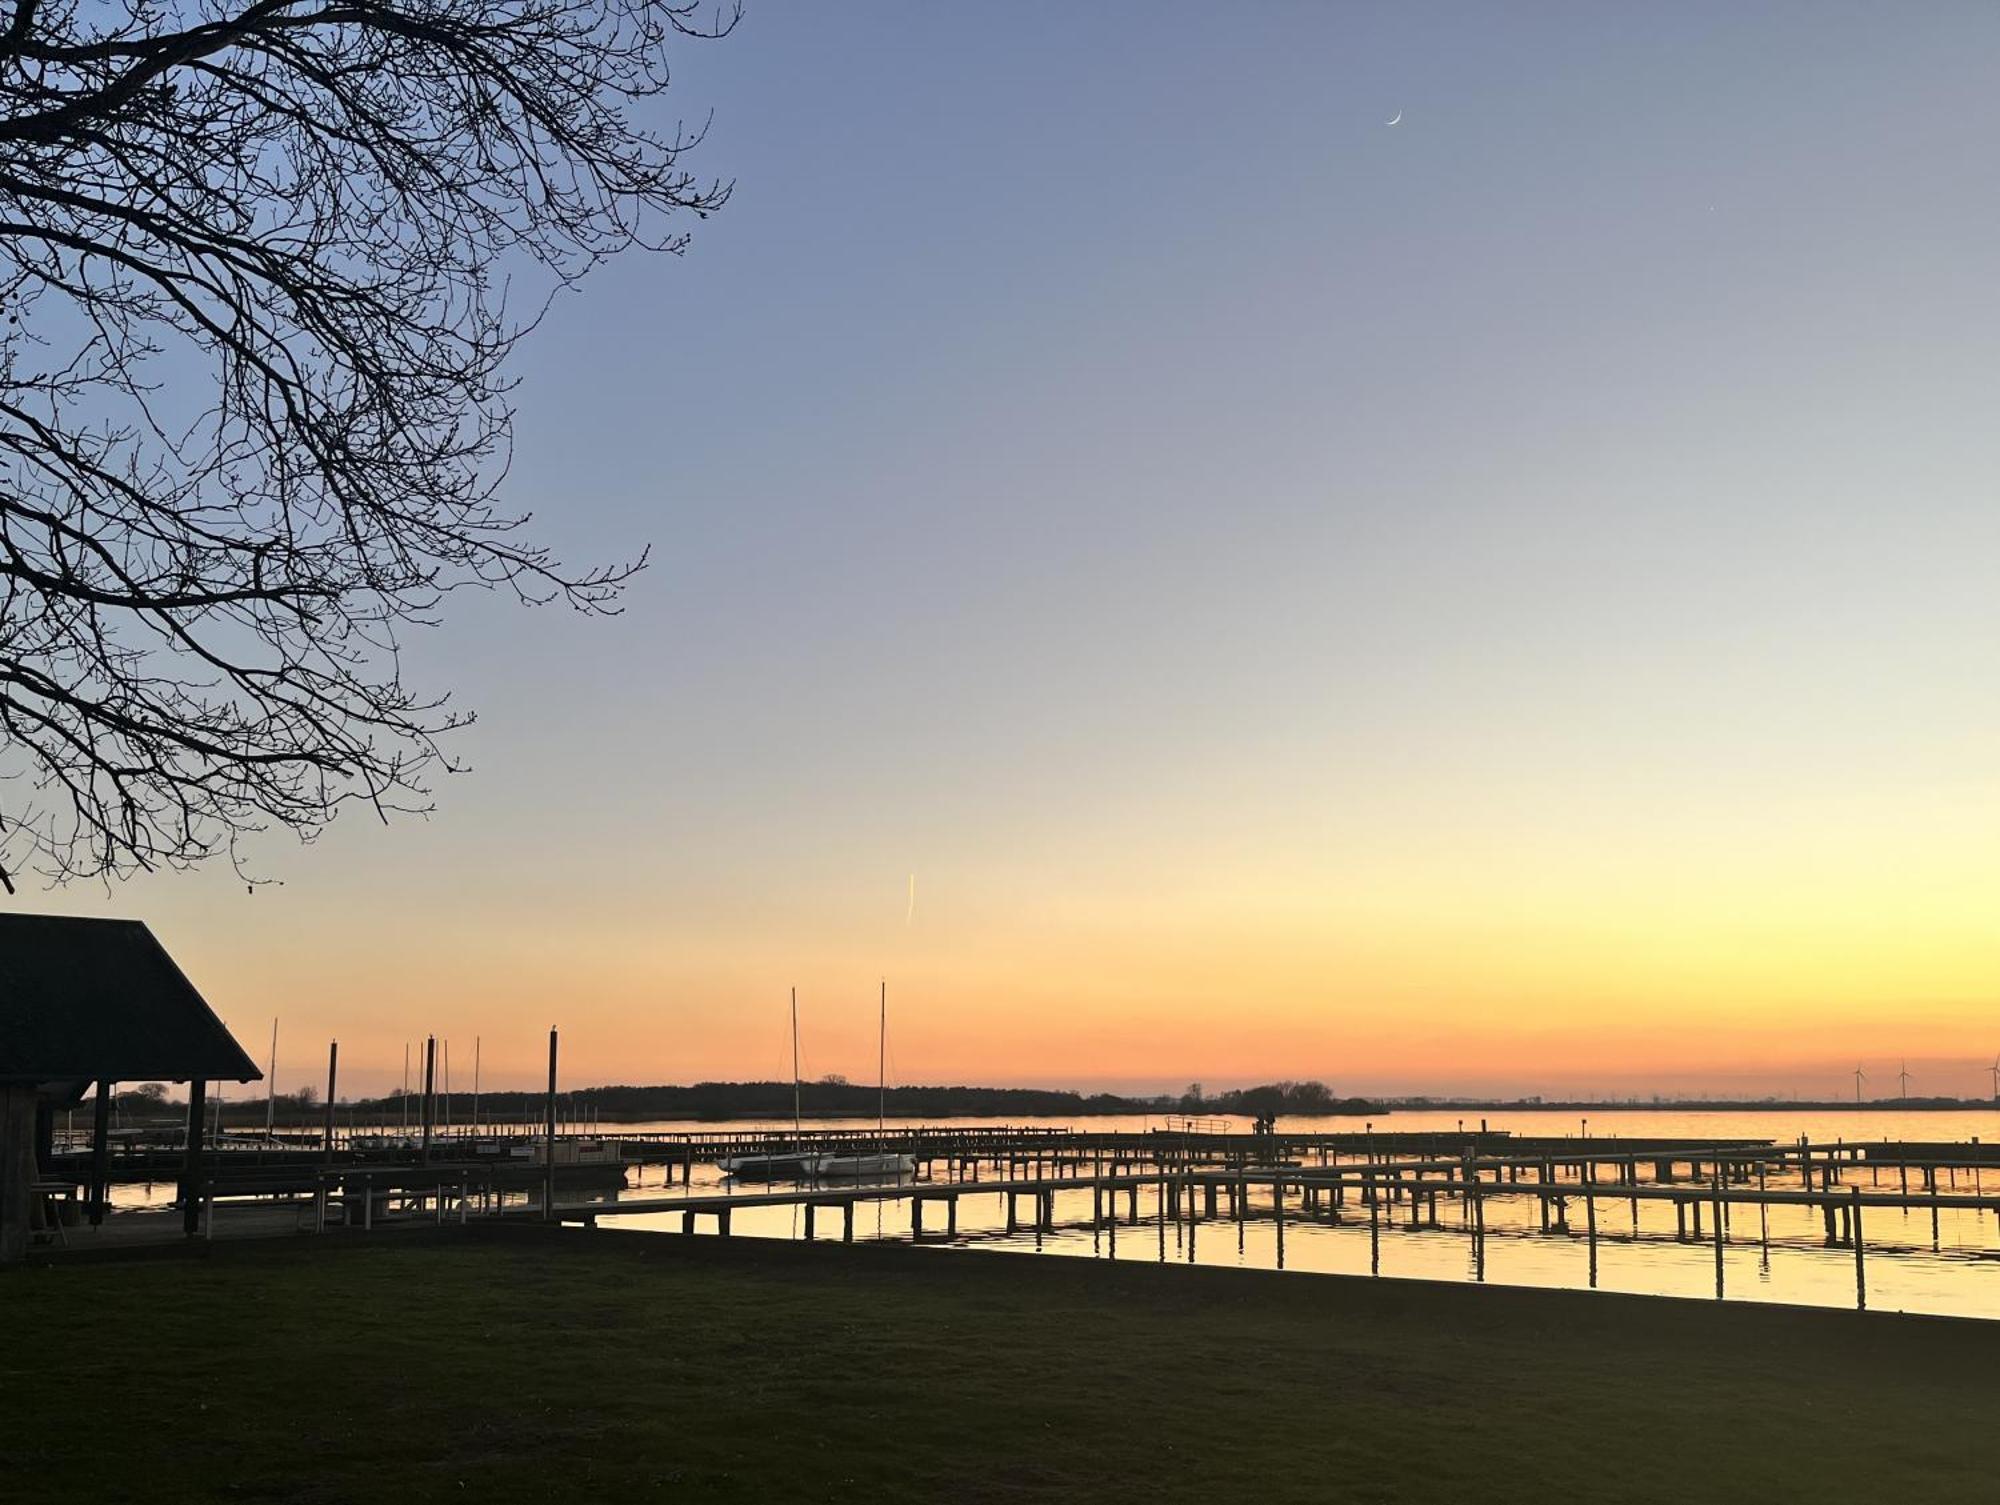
pixel 533 1365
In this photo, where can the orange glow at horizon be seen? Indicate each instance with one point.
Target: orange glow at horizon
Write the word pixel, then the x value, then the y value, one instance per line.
pixel 1491 962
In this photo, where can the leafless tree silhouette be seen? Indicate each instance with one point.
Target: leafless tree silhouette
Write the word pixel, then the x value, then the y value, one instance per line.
pixel 255 270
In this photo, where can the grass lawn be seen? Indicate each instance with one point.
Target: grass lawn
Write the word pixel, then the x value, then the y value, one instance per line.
pixel 607 1366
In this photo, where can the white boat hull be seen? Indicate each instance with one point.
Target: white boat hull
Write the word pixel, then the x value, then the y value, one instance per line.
pixel 836 1167
pixel 770 1167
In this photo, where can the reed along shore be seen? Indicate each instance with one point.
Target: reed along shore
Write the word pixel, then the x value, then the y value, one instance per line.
pixel 517 1364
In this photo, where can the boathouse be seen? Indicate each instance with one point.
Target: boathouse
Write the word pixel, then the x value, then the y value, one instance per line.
pixel 83 1002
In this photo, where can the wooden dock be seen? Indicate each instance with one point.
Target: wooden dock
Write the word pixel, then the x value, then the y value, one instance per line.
pixel 1396 1181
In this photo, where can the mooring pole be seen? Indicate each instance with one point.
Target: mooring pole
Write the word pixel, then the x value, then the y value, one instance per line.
pixel 1860 1272
pixel 1763 1215
pixel 1478 1235
pixel 549 1143
pixel 1278 1212
pixel 1374 1225
pixel 332 1076
pixel 1717 1184
pixel 1590 1229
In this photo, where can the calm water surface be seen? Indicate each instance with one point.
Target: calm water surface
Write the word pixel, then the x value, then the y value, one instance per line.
pixel 1637 1252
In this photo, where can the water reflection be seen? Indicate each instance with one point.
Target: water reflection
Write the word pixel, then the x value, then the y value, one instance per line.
pixel 1919 1259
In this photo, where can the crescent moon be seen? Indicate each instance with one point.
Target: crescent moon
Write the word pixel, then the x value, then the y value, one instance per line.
pixel 1399 116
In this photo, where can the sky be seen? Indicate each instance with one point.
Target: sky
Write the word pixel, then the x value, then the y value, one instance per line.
pixel 1500 602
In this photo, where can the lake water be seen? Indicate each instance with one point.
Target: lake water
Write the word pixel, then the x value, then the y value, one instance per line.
pixel 1636 1252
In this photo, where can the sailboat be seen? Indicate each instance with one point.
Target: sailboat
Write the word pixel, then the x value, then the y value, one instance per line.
pixel 879 1163
pixel 790 1165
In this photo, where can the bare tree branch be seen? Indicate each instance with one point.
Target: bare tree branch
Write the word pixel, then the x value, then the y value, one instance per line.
pixel 255 259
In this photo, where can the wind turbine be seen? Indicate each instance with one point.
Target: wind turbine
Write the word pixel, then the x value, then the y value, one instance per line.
pixel 1903 1079
pixel 1859 1077
pixel 1994 1071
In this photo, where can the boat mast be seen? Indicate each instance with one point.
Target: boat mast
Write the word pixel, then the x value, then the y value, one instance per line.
pixel 882 1066
pixel 798 1128
pixel 271 1087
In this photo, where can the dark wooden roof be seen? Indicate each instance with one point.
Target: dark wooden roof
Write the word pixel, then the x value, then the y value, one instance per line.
pixel 101 1000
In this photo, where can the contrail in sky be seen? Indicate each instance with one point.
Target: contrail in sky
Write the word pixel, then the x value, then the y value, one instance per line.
pixel 911 913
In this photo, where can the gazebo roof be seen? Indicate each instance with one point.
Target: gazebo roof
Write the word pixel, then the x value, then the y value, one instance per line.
pixel 100 1000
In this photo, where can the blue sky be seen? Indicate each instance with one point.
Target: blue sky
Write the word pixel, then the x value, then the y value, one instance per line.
pixel 1097 466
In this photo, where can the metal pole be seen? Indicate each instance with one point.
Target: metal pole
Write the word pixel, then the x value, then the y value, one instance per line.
pixel 271 1087
pixel 549 1170
pixel 430 1088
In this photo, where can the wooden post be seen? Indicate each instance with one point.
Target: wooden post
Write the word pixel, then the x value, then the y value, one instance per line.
pixel 193 1174
pixel 1478 1234
pixel 1374 1227
pixel 1860 1271
pixel 549 1140
pixel 1590 1232
pixel 1763 1214
pixel 100 1154
pixel 1718 1231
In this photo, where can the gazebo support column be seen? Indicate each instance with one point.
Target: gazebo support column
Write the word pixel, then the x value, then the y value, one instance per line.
pixel 193 1179
pixel 45 1138
pixel 100 1154
pixel 17 1169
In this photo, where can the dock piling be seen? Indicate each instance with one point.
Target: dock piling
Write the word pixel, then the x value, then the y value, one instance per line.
pixel 1860 1270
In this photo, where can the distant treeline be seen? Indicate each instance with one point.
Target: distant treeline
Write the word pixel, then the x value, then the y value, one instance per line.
pixel 823 1099
pixel 831 1097
pixel 1296 1099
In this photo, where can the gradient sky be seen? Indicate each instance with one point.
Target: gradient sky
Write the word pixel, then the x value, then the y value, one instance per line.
pixel 1509 600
